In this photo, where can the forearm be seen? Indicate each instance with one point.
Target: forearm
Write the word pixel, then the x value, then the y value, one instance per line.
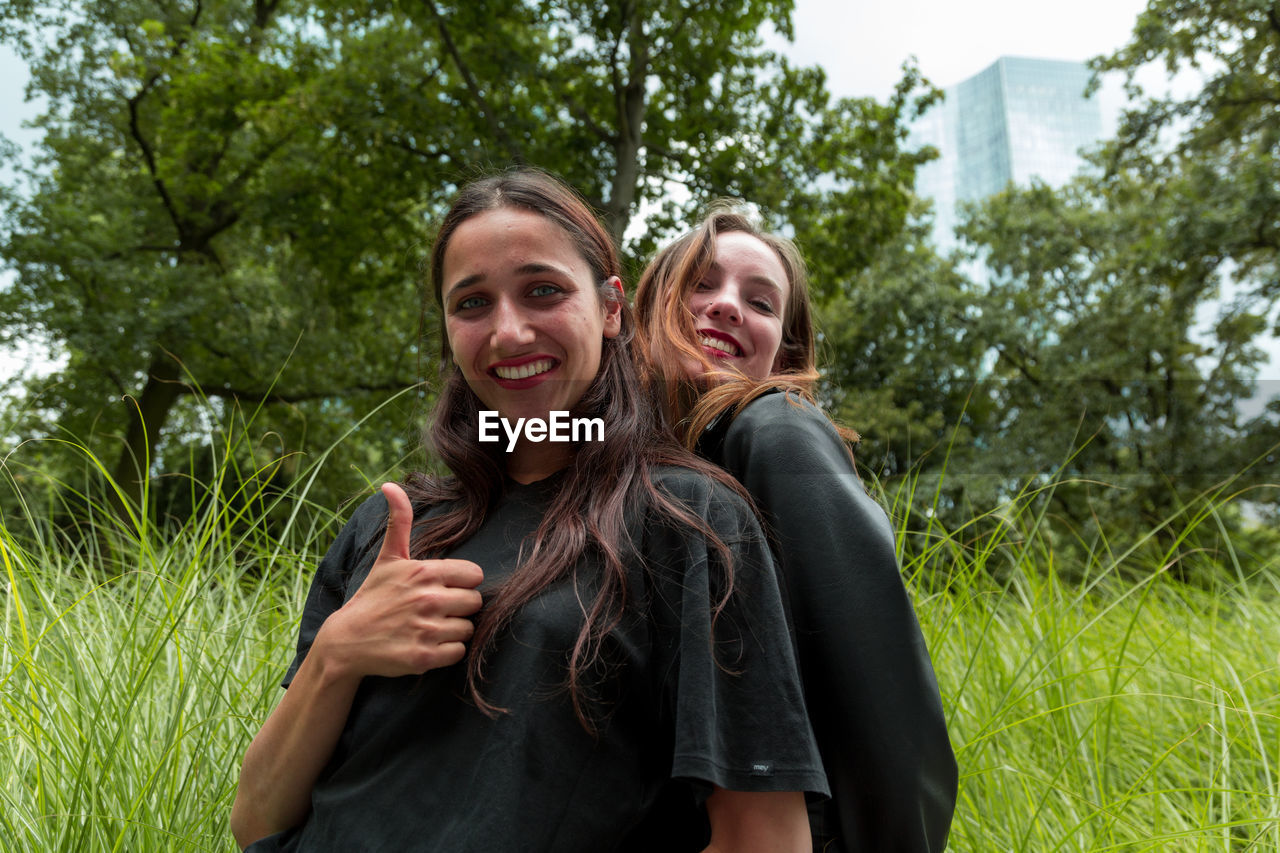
pixel 758 822
pixel 286 757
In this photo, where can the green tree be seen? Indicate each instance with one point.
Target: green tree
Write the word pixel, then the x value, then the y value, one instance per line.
pixel 1105 362
pixel 1220 147
pixel 1114 336
pixel 1209 166
pixel 205 212
pixel 903 356
pixel 230 199
pixel 659 107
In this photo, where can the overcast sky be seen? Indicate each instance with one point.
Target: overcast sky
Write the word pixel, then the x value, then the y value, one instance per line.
pixel 863 44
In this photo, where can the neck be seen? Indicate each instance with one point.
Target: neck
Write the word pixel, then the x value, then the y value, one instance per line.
pixel 530 461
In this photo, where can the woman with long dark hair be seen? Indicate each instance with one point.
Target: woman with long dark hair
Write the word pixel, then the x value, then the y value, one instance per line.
pixel 724 321
pixel 535 651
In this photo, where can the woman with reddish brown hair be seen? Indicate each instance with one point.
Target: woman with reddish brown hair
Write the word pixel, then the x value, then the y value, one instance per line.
pixel 564 644
pixel 725 326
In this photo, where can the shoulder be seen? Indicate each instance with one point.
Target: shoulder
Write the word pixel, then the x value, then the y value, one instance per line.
pixel 692 487
pixel 370 507
pixel 369 517
pixel 364 525
pixel 782 414
pixel 790 458
pixel 367 523
pixel 693 503
pixel 784 432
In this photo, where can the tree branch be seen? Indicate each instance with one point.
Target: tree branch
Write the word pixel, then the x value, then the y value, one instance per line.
pixel 1019 362
pixel 684 19
pixel 580 113
pixel 263 10
pixel 254 167
pixel 142 247
pixel 404 145
pixel 495 126
pixel 148 156
pixel 202 239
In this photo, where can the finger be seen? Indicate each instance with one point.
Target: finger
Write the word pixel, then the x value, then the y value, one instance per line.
pixel 446 654
pixel 460 574
pixel 451 601
pixel 395 545
pixel 452 629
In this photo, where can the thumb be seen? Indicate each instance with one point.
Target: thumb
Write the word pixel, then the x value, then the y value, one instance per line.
pixel 395 545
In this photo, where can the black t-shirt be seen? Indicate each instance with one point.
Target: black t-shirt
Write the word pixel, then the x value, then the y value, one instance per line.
pixel 869 683
pixel 418 767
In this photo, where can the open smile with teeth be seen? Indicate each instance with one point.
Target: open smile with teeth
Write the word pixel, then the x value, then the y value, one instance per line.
pixel 524 371
pixel 723 346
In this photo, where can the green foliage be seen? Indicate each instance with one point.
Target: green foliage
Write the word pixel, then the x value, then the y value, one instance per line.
pixel 1111 337
pixel 901 356
pixel 1222 166
pixel 1093 314
pixel 1110 359
pixel 232 200
pixel 200 214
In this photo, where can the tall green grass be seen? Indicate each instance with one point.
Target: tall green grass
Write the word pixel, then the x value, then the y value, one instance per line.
pixel 1104 713
pixel 137 661
pixel 1119 710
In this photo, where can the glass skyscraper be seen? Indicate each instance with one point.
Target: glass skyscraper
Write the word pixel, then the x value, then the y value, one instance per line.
pixel 1015 120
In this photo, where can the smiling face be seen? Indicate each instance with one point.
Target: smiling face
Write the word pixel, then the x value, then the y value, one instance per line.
pixel 738 306
pixel 523 317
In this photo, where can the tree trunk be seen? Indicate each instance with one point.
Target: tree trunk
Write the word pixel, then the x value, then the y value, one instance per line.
pixel 630 103
pixel 146 423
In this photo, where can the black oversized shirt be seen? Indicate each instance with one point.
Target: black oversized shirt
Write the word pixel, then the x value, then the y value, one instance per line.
pixel 418 767
pixel 868 679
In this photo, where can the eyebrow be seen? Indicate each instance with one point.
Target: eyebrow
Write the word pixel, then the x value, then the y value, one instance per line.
pixel 524 269
pixel 752 279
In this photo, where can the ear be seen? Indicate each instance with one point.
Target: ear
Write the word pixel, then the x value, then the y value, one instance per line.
pixel 613 308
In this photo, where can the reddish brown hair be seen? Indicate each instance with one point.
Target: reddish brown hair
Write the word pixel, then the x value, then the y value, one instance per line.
pixel 667 334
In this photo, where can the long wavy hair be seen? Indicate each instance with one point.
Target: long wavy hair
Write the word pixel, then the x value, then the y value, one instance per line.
pixel 606 483
pixel 668 335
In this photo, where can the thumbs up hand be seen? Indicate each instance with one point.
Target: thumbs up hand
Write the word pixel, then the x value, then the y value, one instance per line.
pixel 408 616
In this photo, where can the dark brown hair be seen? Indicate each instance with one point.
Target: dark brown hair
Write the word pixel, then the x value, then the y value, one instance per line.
pixel 605 482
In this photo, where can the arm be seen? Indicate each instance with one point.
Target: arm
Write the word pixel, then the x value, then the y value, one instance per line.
pixel 877 712
pixel 407 617
pixel 286 756
pixel 729 687
pixel 757 822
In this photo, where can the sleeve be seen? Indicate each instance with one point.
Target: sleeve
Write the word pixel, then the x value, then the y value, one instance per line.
pixel 729 686
pixel 331 585
pixel 869 681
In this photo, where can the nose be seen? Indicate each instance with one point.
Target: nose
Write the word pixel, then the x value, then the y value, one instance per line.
pixel 725 305
pixel 511 329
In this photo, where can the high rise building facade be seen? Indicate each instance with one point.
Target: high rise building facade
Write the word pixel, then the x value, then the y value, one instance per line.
pixel 1016 120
